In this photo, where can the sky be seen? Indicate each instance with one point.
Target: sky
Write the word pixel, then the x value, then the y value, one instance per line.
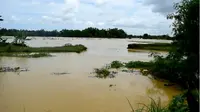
pixel 133 16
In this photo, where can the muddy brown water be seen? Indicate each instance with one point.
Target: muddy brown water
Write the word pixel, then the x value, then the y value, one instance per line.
pixel 39 91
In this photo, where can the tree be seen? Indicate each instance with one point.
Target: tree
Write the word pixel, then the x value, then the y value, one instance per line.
pixel 20 38
pixel 1 18
pixel 182 63
pixel 145 35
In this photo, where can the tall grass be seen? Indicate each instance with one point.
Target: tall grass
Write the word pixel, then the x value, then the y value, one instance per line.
pixel 177 104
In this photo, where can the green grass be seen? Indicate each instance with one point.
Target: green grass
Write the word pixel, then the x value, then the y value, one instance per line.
pixel 26 55
pixel 154 47
pixel 102 72
pixel 177 104
pixel 116 64
pixel 154 106
pixel 16 49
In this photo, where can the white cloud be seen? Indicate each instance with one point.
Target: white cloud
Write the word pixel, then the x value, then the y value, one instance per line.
pixel 89 24
pixel 52 3
pixel 14 18
pixel 134 16
pixel 100 23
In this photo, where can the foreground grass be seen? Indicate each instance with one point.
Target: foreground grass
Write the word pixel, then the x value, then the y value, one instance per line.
pixel 153 47
pixel 26 49
pixel 177 104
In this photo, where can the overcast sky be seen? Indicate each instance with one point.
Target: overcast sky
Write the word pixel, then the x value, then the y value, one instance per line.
pixel 133 16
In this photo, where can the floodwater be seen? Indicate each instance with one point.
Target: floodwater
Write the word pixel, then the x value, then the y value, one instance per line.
pixel 39 91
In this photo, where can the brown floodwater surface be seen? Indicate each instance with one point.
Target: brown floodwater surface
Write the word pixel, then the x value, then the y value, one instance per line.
pixel 38 90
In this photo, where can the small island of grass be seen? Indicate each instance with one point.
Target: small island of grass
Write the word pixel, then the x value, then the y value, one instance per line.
pixel 164 47
pixel 18 48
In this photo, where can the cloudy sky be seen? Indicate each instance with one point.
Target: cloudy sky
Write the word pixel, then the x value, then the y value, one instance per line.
pixel 133 16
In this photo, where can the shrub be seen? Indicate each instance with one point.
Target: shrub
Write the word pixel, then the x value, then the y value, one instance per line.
pixel 138 64
pixel 116 64
pixel 102 73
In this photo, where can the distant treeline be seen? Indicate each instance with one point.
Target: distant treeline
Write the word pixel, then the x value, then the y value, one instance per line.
pixel 88 32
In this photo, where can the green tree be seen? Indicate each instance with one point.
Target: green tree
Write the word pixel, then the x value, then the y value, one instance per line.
pixel 186 33
pixel 182 63
pixel 20 38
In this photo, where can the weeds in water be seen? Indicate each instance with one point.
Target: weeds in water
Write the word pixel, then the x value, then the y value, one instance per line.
pixel 102 72
pixel 116 64
pixel 138 64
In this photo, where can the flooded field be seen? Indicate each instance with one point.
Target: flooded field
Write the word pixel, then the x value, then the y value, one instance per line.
pixel 39 90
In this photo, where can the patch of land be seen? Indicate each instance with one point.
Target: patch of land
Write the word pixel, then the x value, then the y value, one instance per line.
pixel 153 47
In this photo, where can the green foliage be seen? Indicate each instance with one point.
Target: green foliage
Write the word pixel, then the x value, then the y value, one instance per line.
pixel 116 64
pixel 88 32
pixel 138 64
pixel 178 104
pixel 102 72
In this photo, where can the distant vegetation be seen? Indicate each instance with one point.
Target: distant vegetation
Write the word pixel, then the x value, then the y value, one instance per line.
pixel 88 32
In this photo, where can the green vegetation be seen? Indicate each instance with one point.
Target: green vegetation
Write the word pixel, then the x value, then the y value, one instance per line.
pixel 182 64
pixel 155 46
pixel 26 55
pixel 88 32
pixel 19 48
pixel 176 105
pixel 102 72
pixel 116 64
pixel 138 64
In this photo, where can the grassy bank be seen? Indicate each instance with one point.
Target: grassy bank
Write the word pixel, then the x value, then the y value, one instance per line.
pixel 26 49
pixel 153 47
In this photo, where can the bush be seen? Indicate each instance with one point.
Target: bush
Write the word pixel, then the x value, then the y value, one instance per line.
pixel 102 73
pixel 178 104
pixel 116 64
pixel 138 64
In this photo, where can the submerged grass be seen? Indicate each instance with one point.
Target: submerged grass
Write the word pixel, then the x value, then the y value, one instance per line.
pixel 154 47
pixel 102 72
pixel 66 48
